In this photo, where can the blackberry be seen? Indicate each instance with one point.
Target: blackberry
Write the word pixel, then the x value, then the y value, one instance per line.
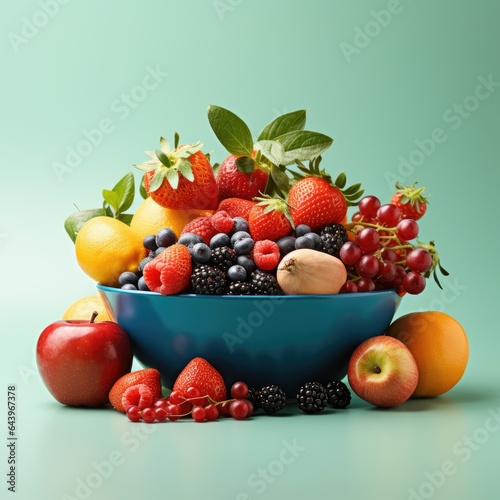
pixel 264 283
pixel 312 397
pixel 339 396
pixel 253 397
pixel 223 258
pixel 208 280
pixel 240 288
pixel 333 237
pixel 271 399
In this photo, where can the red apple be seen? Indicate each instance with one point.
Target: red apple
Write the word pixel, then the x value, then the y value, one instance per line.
pixel 79 361
pixel 383 372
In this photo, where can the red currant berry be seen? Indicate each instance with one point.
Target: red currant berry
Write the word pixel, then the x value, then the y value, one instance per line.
pixel 413 283
pixel 239 390
pixel 176 397
pixel 239 409
pixel 173 412
pixel 389 215
pixel 199 414
pixel 251 407
pixel 161 403
pixel 149 415
pixel 367 266
pixel 195 397
pixel 388 254
pixel 134 413
pixel 356 217
pixel 368 239
pixel 368 206
pixel 224 408
pixel 349 287
pixel 212 412
pixel 419 260
pixel 161 413
pixel 407 229
pixel 350 253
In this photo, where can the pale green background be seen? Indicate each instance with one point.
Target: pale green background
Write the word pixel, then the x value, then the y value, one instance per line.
pixel 259 58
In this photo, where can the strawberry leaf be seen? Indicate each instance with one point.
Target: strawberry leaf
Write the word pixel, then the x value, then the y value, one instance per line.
pixel 231 131
pixel 303 145
pixel 245 164
pixel 76 220
pixel 157 180
pixel 272 150
pixel 173 177
pixel 341 180
pixel 163 158
pixel 185 169
pixel 289 122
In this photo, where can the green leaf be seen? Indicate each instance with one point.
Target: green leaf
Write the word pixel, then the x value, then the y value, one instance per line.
pixel 231 131
pixel 272 150
pixel 163 158
pixel 303 145
pixel 157 180
pixel 127 218
pixel 281 180
pixel 245 164
pixel 289 122
pixel 111 198
pixel 173 177
pixel 76 220
pixel 341 180
pixel 125 189
pixel 185 169
pixel 142 189
pixel 352 189
pixel 164 145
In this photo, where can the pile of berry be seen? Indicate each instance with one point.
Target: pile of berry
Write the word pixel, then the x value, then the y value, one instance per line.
pixel 139 403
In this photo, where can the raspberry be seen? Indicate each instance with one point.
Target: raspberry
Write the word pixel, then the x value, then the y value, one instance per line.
pixel 222 222
pixel 139 395
pixel 202 226
pixel 266 254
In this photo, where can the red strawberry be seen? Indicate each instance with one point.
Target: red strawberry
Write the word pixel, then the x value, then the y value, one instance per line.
pixel 315 202
pixel 170 271
pixel 410 200
pixel 236 207
pixel 269 219
pixel 180 179
pixel 202 226
pixel 232 183
pixel 201 375
pixel 149 377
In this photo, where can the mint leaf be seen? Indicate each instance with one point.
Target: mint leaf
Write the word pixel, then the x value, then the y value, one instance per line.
pixel 126 218
pixel 76 220
pixel 125 190
pixel 231 131
pixel 272 150
pixel 111 198
pixel 303 145
pixel 245 164
pixel 289 122
pixel 281 180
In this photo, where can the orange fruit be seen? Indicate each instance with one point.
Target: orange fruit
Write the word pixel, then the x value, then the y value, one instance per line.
pixel 439 345
pixel 84 307
pixel 150 217
pixel 105 247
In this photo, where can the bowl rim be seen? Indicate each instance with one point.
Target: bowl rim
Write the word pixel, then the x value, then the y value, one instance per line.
pixel 341 296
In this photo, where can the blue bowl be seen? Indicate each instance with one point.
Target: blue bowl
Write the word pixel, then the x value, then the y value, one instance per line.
pixel 283 340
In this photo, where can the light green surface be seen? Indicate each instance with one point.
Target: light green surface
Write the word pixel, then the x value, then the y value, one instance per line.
pixel 259 58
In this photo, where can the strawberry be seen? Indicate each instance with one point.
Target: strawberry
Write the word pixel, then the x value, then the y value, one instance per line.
pixel 180 179
pixel 315 202
pixel 236 207
pixel 269 219
pixel 149 377
pixel 201 375
pixel 410 200
pixel 170 271
pixel 232 183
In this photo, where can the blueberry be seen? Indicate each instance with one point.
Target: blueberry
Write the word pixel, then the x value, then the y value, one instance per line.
pixel 243 246
pixel 304 242
pixel 286 245
pixel 316 238
pixel 237 273
pixel 238 235
pixel 149 242
pixel 143 263
pixel 240 224
pixel 220 240
pixel 141 285
pixel 200 252
pixel 158 251
pixel 128 286
pixel 302 229
pixel 128 278
pixel 190 239
pixel 165 237
pixel 247 263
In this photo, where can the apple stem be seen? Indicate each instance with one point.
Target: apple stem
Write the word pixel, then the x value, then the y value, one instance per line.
pixel 94 316
pixel 377 369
